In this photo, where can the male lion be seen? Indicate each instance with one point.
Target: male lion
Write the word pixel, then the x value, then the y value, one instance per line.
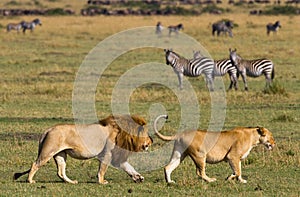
pixel 213 147
pixel 111 141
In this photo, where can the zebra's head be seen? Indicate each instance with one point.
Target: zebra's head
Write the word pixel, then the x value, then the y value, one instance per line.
pixel 277 24
pixel 197 54
pixel 229 24
pixel 180 26
pixel 170 56
pixel 37 21
pixel 234 57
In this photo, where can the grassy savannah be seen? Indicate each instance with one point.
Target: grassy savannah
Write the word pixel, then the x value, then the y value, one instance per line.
pixel 37 78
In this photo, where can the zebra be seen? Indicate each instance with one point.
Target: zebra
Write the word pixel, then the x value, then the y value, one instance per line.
pixel 273 27
pixel 221 67
pixel 31 25
pixel 222 26
pixel 191 68
pixel 14 26
pixel 159 28
pixel 175 29
pixel 253 68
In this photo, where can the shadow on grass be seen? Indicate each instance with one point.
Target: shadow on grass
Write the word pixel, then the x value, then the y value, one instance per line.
pixel 26 135
pixel 34 119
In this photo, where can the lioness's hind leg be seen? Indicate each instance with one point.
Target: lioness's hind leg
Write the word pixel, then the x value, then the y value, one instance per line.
pixel 60 160
pixel 176 158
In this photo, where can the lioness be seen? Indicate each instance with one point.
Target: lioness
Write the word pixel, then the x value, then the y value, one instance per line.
pixel 111 141
pixel 214 147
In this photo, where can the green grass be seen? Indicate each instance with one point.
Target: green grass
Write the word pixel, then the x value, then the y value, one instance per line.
pixel 37 75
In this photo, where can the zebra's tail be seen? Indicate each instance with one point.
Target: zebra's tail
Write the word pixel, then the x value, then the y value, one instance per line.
pixel 273 73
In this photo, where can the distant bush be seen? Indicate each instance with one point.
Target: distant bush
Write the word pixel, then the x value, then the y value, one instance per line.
pixel 13 3
pixel 214 8
pixel 285 10
pixel 56 11
pixel 179 11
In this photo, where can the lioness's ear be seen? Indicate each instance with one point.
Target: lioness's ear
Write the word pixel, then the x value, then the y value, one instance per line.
pixel 261 131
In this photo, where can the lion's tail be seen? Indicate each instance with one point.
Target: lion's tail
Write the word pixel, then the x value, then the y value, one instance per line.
pixel 42 139
pixel 19 174
pixel 41 142
pixel 161 136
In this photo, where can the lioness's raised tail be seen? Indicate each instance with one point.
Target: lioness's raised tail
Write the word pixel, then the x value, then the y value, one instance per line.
pixel 161 136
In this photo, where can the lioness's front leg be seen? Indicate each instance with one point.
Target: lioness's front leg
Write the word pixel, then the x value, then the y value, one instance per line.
pixel 235 165
pixel 200 165
pixel 101 173
pixel 136 177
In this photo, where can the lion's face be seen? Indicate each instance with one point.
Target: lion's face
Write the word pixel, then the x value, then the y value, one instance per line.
pixel 143 140
pixel 266 138
pixel 132 132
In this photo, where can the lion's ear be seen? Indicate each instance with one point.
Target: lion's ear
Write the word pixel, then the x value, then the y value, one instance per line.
pixel 261 131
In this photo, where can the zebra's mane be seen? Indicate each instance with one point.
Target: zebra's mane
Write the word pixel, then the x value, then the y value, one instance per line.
pixel 180 59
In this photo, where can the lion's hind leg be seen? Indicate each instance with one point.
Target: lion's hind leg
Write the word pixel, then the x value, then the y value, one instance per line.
pixel 36 166
pixel 60 160
pixel 48 147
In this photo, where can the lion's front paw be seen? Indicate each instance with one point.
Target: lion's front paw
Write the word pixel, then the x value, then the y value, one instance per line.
pixel 103 182
pixel 31 181
pixel 138 178
pixel 75 182
pixel 171 182
pixel 242 180
pixel 211 180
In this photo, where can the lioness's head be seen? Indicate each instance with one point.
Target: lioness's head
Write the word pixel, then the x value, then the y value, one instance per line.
pixel 132 132
pixel 266 138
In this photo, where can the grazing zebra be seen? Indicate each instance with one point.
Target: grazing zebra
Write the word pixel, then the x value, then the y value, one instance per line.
pixel 14 26
pixel 31 25
pixel 221 67
pixel 175 29
pixel 253 68
pixel 222 26
pixel 191 68
pixel 273 27
pixel 159 28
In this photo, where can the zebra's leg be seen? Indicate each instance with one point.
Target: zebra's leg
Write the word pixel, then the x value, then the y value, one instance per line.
pixel 231 84
pixel 268 81
pixel 233 81
pixel 245 81
pixel 180 77
pixel 210 83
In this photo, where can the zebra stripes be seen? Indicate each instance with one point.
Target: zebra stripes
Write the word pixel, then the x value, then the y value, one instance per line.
pixel 191 68
pixel 31 25
pixel 221 67
pixel 15 26
pixel 253 68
